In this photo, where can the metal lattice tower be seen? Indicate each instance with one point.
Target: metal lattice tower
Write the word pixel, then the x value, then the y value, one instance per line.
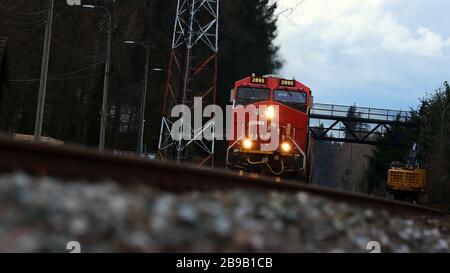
pixel 192 72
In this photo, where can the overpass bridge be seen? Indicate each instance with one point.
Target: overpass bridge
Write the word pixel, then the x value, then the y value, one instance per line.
pixel 360 125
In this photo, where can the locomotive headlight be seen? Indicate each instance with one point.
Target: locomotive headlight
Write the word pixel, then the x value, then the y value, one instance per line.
pixel 270 113
pixel 286 147
pixel 247 144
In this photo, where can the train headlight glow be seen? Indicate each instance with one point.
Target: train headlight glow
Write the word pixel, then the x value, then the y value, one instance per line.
pixel 270 113
pixel 286 147
pixel 247 144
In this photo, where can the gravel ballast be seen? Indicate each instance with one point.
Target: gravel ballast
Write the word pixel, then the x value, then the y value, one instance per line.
pixel 44 214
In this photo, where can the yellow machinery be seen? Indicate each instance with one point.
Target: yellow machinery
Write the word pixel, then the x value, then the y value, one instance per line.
pixel 407 182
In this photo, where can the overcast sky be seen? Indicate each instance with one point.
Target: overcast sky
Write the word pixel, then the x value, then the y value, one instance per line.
pixel 378 53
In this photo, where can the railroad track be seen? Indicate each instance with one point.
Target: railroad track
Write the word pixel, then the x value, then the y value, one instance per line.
pixel 78 162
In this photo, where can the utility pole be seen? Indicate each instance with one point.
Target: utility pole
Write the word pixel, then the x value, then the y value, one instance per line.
pixel 105 88
pixel 44 73
pixel 143 105
pixel 104 115
pixel 144 97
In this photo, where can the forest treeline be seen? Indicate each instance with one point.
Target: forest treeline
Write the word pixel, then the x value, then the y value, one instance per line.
pixel 78 52
pixel 432 137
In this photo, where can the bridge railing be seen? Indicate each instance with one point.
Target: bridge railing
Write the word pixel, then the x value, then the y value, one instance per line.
pixel 362 132
pixel 340 111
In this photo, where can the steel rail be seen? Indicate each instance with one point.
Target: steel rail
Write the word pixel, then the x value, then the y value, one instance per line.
pixel 79 162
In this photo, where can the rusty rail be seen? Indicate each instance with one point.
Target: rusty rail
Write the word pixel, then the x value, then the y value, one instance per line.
pixel 79 162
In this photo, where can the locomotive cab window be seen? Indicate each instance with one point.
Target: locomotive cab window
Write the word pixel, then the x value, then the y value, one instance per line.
pixel 296 100
pixel 249 95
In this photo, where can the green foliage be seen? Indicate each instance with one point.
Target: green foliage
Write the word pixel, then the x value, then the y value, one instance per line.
pixel 247 35
pixel 433 118
pixel 357 127
pixel 383 155
pixel 352 126
pixel 434 123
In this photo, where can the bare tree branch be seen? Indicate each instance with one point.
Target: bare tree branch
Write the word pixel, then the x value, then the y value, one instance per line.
pixel 289 11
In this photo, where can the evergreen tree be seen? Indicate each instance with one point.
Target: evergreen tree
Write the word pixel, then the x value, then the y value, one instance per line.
pixel 388 151
pixel 433 118
pixel 353 125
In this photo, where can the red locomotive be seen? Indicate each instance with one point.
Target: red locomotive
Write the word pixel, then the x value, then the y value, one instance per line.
pixel 293 101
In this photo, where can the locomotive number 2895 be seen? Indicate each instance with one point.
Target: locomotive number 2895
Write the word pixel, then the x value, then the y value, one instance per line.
pixel 288 83
pixel 258 80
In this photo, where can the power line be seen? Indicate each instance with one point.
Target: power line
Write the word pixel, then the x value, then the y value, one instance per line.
pixel 82 54
pixel 27 18
pixel 39 23
pixel 91 58
pixel 59 78
pixel 32 28
pixel 11 22
pixel 80 70
pixel 23 13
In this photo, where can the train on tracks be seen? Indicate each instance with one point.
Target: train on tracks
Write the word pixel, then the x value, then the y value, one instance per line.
pixel 290 102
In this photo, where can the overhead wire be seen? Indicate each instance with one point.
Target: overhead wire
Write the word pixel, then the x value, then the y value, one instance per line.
pixel 80 70
pixel 31 28
pixel 82 54
pixel 11 22
pixel 37 22
pixel 37 26
pixel 92 58
pixel 24 19
pixel 39 19
pixel 63 76
pixel 100 59
pixel 12 10
pixel 59 78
